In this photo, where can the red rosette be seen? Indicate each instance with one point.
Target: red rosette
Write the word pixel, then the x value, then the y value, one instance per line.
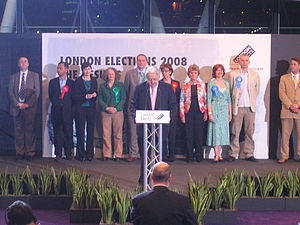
pixel 174 85
pixel 64 90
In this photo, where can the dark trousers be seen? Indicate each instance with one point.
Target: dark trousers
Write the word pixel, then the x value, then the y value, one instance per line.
pixel 172 136
pixel 85 117
pixel 24 125
pixel 194 126
pixel 63 134
pixel 141 149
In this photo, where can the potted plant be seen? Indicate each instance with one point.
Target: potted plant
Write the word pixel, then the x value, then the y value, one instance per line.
pixel 215 214
pixel 292 185
pixel 123 205
pixel 200 197
pixel 106 199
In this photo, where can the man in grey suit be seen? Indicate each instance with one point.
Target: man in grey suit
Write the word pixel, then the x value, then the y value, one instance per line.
pixel 245 85
pixel 133 78
pixel 23 91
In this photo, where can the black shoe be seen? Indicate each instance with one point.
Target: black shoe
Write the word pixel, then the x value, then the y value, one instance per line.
pixel 105 159
pixel 117 159
pixel 28 157
pixel 188 159
pixel 251 159
pixel 171 158
pixel 57 158
pixel 81 159
pixel 199 159
pixel 69 158
pixel 19 157
pixel 89 159
pixel 231 159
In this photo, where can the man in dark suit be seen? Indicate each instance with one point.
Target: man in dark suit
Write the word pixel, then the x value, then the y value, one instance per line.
pixel 60 95
pixel 23 91
pixel 133 78
pixel 160 206
pixel 153 95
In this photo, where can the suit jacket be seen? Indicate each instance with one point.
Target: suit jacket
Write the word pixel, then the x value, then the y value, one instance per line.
pixel 130 83
pixel 165 100
pixel 176 88
pixel 79 92
pixel 32 92
pixel 253 89
pixel 61 107
pixel 288 95
pixel 161 206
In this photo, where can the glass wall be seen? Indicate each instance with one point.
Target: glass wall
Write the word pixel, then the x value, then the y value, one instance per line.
pixel 7 16
pixel 51 16
pixel 119 16
pixel 163 16
pixel 290 17
pixel 243 16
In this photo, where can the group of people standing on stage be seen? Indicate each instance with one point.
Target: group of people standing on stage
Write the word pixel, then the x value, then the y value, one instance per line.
pixel 221 101
pixel 78 100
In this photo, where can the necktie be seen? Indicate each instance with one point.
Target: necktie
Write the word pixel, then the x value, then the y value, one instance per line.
pixel 153 98
pixel 141 77
pixel 22 88
pixel 295 80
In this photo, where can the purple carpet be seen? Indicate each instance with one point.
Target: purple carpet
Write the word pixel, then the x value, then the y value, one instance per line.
pixel 59 217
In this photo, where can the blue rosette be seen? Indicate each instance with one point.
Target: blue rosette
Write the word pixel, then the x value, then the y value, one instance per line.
pixel 117 94
pixel 238 81
pixel 215 90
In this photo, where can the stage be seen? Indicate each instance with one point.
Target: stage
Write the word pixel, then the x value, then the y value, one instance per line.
pixel 126 173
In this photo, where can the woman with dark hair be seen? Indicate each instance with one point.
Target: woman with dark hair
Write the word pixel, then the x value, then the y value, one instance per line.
pixel 219 111
pixel 193 112
pixel 84 96
pixel 19 213
pixel 167 71
pixel 112 97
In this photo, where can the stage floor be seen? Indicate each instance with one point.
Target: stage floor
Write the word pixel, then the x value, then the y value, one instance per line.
pixel 126 173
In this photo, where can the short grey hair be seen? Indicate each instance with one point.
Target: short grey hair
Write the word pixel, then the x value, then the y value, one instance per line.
pixel 152 69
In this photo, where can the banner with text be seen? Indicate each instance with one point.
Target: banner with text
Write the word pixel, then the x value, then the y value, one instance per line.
pixel 180 50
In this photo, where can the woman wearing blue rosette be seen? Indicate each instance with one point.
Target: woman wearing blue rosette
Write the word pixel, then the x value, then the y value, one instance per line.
pixel 219 111
pixel 112 97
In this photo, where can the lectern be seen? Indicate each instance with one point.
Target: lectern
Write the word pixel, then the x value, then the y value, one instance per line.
pixel 153 133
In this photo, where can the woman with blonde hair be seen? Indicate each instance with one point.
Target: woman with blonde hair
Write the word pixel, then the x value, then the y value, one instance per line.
pixel 193 112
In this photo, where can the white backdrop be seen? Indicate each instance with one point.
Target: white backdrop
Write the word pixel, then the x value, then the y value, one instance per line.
pixel 182 50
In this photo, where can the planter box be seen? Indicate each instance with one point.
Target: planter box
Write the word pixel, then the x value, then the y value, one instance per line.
pixel 292 204
pixel 38 202
pixel 220 217
pixel 229 216
pixel 261 204
pixel 213 217
pixel 85 216
pixel 5 201
pixel 51 202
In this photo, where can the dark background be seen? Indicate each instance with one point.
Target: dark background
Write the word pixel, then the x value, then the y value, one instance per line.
pixel 12 46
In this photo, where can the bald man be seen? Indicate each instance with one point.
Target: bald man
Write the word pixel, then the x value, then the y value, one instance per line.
pixel 160 206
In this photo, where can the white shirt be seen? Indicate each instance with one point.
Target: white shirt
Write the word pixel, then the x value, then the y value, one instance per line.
pixel 244 100
pixel 62 82
pixel 295 76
